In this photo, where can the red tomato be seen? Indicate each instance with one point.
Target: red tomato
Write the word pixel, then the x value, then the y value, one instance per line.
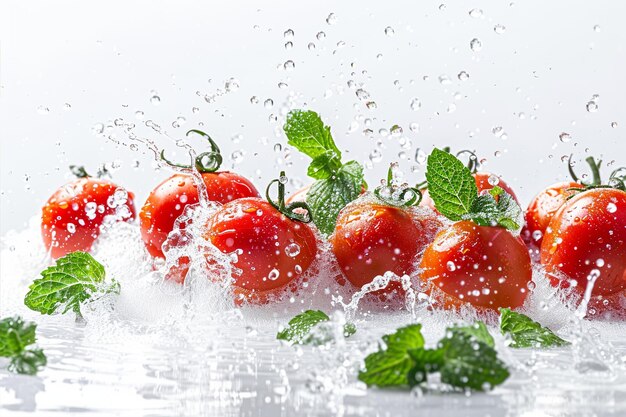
pixel 72 217
pixel 587 237
pixel 482 183
pixel 372 238
pixel 272 249
pixel 169 199
pixel 484 266
pixel 542 208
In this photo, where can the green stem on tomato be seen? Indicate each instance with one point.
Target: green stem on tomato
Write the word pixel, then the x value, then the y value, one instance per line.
pixel 595 171
pixel 79 171
pixel 400 201
pixel 288 209
pixel 206 161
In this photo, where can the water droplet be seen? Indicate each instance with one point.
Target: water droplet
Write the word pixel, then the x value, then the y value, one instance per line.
pixel 420 156
pixel 71 227
pixel 278 147
pixel 362 94
pixel 592 106
pixel 288 34
pixel 155 100
pixel 497 131
pixel 292 250
pixel 416 104
pixel 450 266
pixel 331 19
pixel 320 36
pixel 371 105
pixel 288 45
pixel 289 65
pixel 613 125
pixel 311 46
pixel 476 45
pixel 499 29
pixel 414 127
pixel 565 137
pixel 67 106
pixel 283 179
pixel 596 28
pixel 43 110
pixel 180 120
pixel 254 100
pixel 476 13
pixel 463 76
pixel 139 114
pixel 376 156
pixel 231 85
pixel 493 180
pixel 444 80
pixel 389 31
pixel 611 208
pixel 237 156
pixel 451 108
pixel 273 275
pixel 268 103
pixel 195 110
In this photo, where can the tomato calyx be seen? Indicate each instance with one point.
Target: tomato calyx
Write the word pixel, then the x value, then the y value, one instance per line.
pixel 80 172
pixel 397 196
pixel 205 162
pixel 304 215
pixel 617 179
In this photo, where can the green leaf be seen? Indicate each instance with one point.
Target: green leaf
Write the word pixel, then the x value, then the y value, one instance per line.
pixel 450 184
pixel 425 361
pixel 324 165
pixel 307 133
pixel 304 329
pixel 68 284
pixel 526 332
pixel 16 336
pixel 327 197
pixel 478 331
pixel 391 366
pixel 505 212
pixel 469 362
pixel 28 362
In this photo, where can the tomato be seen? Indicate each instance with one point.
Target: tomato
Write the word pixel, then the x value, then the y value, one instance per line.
pixel 484 266
pixel 482 183
pixel 272 249
pixel 372 238
pixel 587 238
pixel 72 217
pixel 542 208
pixel 170 198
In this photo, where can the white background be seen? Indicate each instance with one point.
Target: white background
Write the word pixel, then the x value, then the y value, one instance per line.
pixel 104 58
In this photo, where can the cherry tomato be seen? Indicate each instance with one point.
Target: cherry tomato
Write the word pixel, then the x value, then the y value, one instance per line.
pixel 169 199
pixel 272 250
pixel 541 210
pixel 72 217
pixel 484 266
pixel 586 239
pixel 372 238
pixel 482 183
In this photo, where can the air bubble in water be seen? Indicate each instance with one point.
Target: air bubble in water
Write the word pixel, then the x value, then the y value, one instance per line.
pixel 476 45
pixel 292 250
pixel 389 31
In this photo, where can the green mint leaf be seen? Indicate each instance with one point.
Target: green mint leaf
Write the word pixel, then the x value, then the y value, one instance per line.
pixel 505 212
pixel 526 332
pixel 15 335
pixel 450 184
pixel 469 362
pixel 328 196
pixel 65 286
pixel 478 331
pixel 425 361
pixel 306 132
pixel 324 165
pixel 28 362
pixel 299 328
pixel 305 328
pixel 16 338
pixel 391 366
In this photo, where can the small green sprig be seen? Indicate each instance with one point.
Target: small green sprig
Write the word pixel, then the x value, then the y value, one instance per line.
pixel 300 329
pixel 17 338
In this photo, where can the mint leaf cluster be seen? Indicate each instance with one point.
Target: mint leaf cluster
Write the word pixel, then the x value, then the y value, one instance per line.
pixel 525 332
pixel 453 189
pixel 304 329
pixel 74 279
pixel 16 340
pixel 465 358
pixel 336 183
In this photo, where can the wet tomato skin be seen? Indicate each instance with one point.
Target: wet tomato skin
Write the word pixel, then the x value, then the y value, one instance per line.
pixel 272 249
pixel 482 183
pixel 170 198
pixel 72 216
pixel 484 266
pixel 588 233
pixel 542 208
pixel 371 239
